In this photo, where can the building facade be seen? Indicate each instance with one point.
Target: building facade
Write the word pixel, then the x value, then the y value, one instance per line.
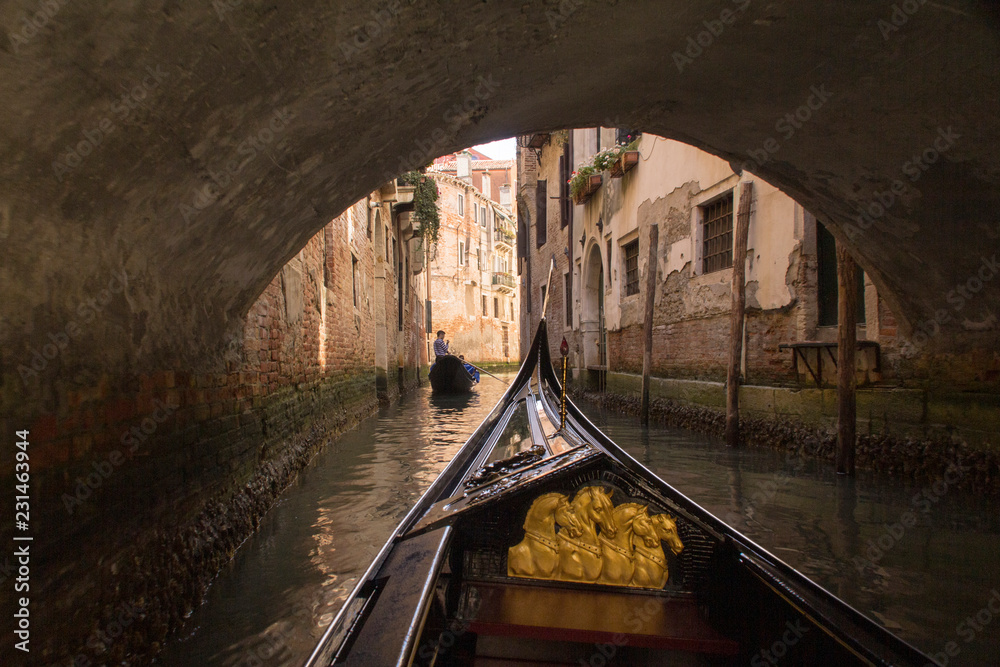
pixel 471 284
pixel 599 241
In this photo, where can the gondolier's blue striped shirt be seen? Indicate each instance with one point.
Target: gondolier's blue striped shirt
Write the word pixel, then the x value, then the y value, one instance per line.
pixel 440 347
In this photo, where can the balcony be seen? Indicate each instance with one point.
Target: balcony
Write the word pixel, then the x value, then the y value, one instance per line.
pixel 503 237
pixel 538 139
pixel 504 281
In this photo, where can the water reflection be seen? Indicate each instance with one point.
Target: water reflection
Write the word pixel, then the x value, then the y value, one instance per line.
pixel 918 561
pixel 274 600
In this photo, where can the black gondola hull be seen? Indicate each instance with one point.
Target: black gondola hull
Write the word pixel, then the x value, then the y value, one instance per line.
pixel 446 589
pixel 448 376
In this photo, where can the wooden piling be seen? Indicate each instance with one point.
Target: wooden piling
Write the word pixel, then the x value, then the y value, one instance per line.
pixel 847 308
pixel 736 316
pixel 647 352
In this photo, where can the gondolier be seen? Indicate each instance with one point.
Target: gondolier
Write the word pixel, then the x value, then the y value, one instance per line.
pixel 440 345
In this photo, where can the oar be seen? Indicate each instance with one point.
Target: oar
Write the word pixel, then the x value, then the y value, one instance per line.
pixel 481 370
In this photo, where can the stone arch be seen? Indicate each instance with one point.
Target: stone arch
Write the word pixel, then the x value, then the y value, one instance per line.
pixel 211 173
pixel 592 306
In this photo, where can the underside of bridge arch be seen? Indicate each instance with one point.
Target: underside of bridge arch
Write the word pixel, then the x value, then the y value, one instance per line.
pixel 196 149
pixel 188 150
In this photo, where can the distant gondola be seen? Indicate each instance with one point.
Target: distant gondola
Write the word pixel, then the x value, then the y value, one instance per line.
pixel 448 375
pixel 547 545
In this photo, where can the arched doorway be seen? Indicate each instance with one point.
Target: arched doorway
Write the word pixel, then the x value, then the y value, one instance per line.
pixel 592 329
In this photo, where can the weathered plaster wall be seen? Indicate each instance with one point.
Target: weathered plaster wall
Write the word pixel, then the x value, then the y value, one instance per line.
pixel 457 290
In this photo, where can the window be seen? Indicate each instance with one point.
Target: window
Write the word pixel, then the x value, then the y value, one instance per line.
pixel 827 288
pixel 505 195
pixel 461 205
pixel 461 253
pixel 541 207
pixel 496 307
pixel 631 257
pixel 475 212
pixel 717 229
pixel 625 135
pixel 565 198
pixel 484 306
pixel 569 299
pixel 482 216
pixel 355 278
pixel 609 263
pixel 327 259
pixel 543 297
pixel 479 258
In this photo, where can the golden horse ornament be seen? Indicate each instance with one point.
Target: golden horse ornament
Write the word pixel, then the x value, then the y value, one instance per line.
pixel 589 540
pixel 537 555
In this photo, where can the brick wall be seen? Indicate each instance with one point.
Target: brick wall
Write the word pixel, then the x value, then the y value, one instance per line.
pixel 135 477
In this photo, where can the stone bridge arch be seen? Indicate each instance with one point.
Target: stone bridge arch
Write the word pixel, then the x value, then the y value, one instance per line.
pixel 177 155
pixel 192 150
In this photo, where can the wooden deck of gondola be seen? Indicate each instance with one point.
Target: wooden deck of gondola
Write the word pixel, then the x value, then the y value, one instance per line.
pixel 595 617
pixel 394 617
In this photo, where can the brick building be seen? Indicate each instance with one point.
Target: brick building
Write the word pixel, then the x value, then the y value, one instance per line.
pixel 471 285
pixel 600 243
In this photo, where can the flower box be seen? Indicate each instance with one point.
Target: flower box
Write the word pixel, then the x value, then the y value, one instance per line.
pixel 593 182
pixel 624 164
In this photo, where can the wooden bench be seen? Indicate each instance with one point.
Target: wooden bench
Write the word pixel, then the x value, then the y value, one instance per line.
pixel 595 617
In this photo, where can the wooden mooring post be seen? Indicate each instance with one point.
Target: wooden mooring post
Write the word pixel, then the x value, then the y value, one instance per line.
pixel 737 313
pixel 847 309
pixel 647 350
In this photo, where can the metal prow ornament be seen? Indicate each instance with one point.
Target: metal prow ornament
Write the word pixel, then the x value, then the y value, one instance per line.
pixel 564 351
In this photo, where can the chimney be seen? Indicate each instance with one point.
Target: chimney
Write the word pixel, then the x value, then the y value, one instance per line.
pixel 463 165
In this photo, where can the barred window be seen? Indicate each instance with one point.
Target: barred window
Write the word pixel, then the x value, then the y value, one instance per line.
pixel 630 253
pixel 717 246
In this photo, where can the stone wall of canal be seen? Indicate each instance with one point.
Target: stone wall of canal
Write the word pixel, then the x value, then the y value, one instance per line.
pixel 909 434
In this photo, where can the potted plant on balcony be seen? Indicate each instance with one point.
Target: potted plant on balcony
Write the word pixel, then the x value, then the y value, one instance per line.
pixel 626 158
pixel 425 210
pixel 584 182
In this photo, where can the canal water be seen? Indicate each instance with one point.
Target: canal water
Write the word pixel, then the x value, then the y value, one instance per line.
pixel 922 560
